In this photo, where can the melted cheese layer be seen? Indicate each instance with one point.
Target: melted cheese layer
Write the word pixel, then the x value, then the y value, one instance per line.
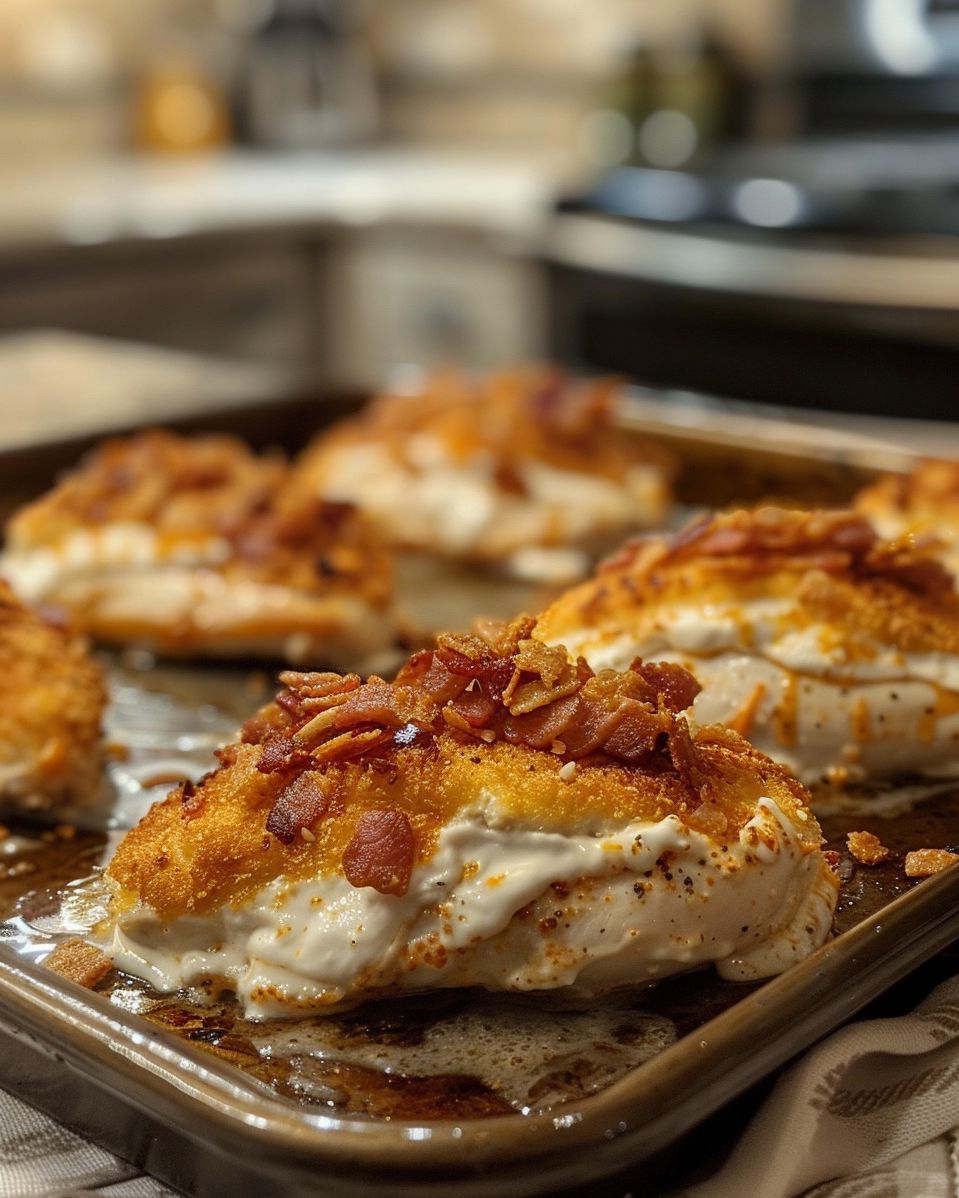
pixel 507 909
pixel 800 694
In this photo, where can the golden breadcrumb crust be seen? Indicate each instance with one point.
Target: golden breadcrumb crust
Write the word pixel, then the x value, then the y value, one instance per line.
pixel 178 864
pixel 533 413
pixel 924 501
pixel 52 698
pixel 829 565
pixel 175 484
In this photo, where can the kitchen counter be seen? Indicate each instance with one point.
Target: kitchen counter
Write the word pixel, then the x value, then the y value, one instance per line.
pixel 161 198
pixel 330 268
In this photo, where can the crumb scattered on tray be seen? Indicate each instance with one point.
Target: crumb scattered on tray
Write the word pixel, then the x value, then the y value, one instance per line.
pixel 867 848
pixel 923 863
pixel 79 962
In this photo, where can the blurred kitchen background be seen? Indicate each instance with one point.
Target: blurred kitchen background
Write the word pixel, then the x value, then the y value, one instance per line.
pixel 754 199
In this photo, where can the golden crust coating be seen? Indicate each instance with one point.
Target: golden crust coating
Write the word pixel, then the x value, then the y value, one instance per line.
pixel 535 413
pixel 192 493
pixel 178 485
pixel 924 502
pixel 334 770
pixel 830 565
pixel 52 698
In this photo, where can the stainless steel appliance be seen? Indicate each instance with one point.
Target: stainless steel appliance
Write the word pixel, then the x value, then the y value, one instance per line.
pixel 822 272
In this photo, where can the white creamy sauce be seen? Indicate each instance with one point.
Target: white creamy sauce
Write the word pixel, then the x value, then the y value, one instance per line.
pixel 37 572
pixel 818 710
pixel 128 575
pixel 507 909
pixel 457 508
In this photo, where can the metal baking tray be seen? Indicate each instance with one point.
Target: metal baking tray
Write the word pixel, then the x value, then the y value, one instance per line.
pixel 219 1107
pixel 215 1108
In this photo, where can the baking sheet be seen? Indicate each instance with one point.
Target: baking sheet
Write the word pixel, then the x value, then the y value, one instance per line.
pixel 425 1095
pixel 398 1098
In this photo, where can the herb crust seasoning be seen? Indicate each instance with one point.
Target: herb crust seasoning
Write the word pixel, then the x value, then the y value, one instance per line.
pixel 497 816
pixel 832 651
pixel 196 546
pixel 52 699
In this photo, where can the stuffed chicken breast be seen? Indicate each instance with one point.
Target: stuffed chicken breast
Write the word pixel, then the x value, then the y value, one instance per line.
pixel 194 546
pixel 52 699
pixel 524 471
pixel 497 817
pixel 832 651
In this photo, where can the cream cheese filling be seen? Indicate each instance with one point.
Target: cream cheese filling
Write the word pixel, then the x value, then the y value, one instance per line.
pixel 798 694
pixel 507 909
pixel 37 572
pixel 458 508
pixel 133 584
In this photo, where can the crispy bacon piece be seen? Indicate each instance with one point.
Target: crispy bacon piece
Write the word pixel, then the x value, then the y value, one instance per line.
pixel 539 729
pixel 320 689
pixel 282 753
pixel 675 686
pixel 299 805
pixel 467 657
pixel 425 671
pixel 381 853
pixel 475 706
pixel 767 538
pixel 908 566
pixel 638 733
pixel 376 703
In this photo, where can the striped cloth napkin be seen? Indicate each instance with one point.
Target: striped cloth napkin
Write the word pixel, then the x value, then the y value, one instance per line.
pixel 871 1112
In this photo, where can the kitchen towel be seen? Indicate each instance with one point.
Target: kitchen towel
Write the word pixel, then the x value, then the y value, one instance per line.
pixel 871 1112
pixel 41 1159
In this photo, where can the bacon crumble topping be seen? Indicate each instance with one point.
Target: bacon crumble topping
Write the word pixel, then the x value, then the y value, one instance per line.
pixel 499 684
pixel 381 853
pixel 769 538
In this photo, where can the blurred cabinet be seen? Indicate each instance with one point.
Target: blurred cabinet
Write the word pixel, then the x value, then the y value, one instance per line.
pixel 392 297
pixel 323 305
pixel 236 297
